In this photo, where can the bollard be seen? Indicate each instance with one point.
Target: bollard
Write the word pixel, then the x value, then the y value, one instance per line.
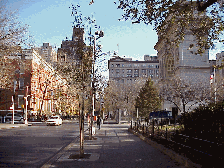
pixel 153 123
pixel 161 123
pixel 143 129
pixel 166 133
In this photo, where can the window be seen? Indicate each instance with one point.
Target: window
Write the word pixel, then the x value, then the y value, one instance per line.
pixel 129 75
pixel 117 65
pixel 63 58
pixel 122 65
pixel 117 70
pixel 129 71
pixel 20 101
pixel 22 68
pixel 112 65
pixel 21 83
pixel 136 73
pixel 150 71
pixel 144 71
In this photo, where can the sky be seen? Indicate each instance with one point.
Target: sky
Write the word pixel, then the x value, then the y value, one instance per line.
pixel 50 21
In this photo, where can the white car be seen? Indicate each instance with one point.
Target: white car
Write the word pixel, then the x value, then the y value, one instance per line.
pixel 54 120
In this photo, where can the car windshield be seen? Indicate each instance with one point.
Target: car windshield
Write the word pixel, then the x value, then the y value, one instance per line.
pixel 54 117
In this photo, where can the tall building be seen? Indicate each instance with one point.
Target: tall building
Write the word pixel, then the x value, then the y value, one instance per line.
pixel 125 70
pixel 71 50
pixel 48 53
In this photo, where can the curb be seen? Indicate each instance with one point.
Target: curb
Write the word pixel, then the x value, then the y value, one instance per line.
pixel 173 155
pixel 13 126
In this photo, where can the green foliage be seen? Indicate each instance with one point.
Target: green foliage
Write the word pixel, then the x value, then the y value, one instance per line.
pixel 205 121
pixel 148 99
pixel 172 18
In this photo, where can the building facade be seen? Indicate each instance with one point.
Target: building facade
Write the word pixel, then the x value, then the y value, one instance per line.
pixel 35 86
pixel 48 53
pixel 182 61
pixel 124 70
pixel 220 64
pixel 71 50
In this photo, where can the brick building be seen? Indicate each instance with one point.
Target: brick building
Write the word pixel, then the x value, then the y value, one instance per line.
pixel 30 77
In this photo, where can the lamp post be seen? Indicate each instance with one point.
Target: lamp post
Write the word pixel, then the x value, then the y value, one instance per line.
pixel 26 102
pixel 99 34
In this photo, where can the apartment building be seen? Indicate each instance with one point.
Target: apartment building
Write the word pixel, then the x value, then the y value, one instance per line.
pixel 35 86
pixel 48 53
pixel 125 70
pixel 71 49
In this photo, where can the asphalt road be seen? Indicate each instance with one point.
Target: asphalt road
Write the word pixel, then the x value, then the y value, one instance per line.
pixel 32 146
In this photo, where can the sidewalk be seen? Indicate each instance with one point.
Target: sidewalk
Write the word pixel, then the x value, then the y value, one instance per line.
pixel 113 146
pixel 10 126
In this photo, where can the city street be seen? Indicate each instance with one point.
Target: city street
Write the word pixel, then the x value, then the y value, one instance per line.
pixel 51 146
pixel 113 146
pixel 32 146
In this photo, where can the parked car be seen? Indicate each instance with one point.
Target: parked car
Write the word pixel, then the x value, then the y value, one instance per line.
pixel 54 120
pixel 17 117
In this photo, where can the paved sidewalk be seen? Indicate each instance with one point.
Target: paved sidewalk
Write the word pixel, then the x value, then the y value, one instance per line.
pixel 113 146
pixel 10 126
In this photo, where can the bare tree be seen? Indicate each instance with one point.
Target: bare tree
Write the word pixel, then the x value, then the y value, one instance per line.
pixel 122 96
pixel 13 35
pixel 182 92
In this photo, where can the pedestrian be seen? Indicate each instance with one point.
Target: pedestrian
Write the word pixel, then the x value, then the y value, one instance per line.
pixel 98 121
pixel 147 120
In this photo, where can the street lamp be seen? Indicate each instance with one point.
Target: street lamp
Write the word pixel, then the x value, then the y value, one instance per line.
pixel 99 34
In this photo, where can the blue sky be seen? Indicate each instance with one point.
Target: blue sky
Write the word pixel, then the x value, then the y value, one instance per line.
pixel 51 21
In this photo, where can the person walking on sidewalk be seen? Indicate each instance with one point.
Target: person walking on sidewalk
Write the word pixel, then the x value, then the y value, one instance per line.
pixel 98 121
